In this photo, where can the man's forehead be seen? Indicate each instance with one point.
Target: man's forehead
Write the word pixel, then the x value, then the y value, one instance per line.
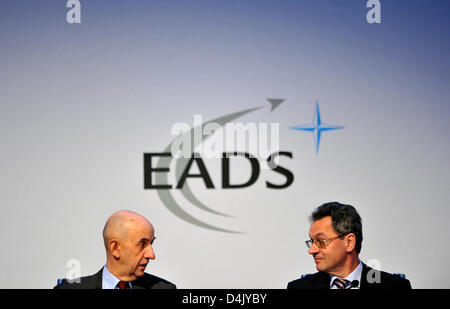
pixel 143 234
pixel 144 228
pixel 140 229
pixel 322 226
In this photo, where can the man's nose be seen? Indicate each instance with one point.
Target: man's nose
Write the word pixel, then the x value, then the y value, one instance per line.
pixel 313 249
pixel 149 253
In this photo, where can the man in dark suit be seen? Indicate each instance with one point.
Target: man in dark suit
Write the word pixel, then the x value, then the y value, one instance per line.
pixel 128 239
pixel 335 243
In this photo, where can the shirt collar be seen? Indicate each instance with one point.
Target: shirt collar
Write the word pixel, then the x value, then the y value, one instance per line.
pixel 354 275
pixel 109 281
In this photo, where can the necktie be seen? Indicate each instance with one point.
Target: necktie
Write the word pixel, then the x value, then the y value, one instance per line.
pixel 341 283
pixel 123 285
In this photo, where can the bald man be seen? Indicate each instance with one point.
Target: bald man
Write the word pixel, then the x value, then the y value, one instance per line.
pixel 128 239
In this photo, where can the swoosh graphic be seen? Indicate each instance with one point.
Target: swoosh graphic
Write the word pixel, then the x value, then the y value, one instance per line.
pixel 181 163
pixel 166 196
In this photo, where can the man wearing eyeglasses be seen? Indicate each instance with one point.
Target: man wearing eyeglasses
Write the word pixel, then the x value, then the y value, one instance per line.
pixel 335 243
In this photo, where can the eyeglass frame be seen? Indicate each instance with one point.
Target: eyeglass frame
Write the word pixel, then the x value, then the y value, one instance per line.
pixel 322 243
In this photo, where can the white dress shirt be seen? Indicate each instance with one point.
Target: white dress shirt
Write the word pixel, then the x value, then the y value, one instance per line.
pixel 109 281
pixel 354 275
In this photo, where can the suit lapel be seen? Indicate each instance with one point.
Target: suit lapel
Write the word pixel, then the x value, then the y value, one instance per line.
pixel 136 286
pixel 322 281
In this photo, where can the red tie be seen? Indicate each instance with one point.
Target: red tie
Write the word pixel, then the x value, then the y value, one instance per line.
pixel 123 285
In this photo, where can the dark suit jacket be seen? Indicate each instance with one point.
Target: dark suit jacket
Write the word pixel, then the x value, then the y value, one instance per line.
pixel 321 280
pixel 95 282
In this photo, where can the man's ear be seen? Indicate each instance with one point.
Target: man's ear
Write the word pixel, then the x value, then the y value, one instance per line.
pixel 350 242
pixel 114 248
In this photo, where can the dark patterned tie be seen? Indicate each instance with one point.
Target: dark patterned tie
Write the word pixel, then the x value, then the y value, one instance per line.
pixel 123 285
pixel 341 284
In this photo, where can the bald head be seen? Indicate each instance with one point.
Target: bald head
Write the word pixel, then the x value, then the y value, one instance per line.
pixel 121 223
pixel 128 239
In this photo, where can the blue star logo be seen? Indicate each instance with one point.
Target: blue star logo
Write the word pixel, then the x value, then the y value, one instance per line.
pixel 317 127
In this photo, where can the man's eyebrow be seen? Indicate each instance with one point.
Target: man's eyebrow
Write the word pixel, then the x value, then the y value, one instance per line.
pixel 145 239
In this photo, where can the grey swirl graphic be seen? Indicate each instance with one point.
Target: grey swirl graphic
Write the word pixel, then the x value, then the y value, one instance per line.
pixel 166 195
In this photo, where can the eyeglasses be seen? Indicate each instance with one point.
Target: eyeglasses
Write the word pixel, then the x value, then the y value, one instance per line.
pixel 323 242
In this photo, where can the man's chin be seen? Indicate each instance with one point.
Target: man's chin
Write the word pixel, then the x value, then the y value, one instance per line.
pixel 139 273
pixel 320 265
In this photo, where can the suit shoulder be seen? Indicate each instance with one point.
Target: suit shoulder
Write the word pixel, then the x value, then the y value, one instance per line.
pixel 395 280
pixel 79 283
pixel 87 282
pixel 381 279
pixel 149 281
pixel 310 281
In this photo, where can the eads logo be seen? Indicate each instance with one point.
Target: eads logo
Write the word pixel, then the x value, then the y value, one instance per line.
pixel 220 138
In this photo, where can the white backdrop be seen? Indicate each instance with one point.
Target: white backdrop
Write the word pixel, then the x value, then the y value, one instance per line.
pixel 81 104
